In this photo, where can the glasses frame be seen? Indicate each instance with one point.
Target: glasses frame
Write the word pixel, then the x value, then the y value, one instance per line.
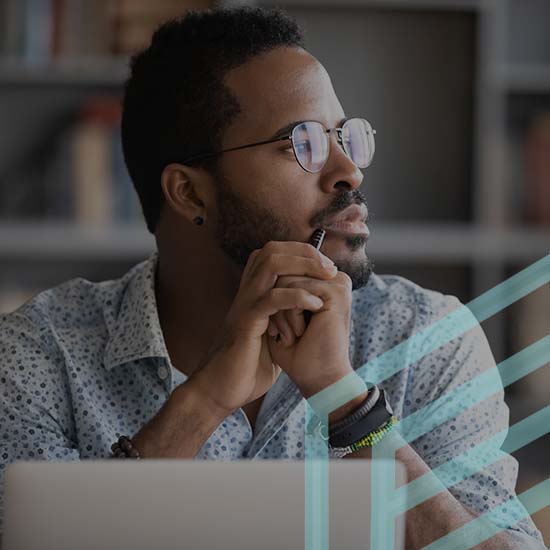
pixel 290 137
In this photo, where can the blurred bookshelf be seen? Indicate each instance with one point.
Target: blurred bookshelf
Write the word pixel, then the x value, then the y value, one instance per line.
pixel 439 244
pixel 75 71
pixel 461 176
pixel 65 194
pixel 67 205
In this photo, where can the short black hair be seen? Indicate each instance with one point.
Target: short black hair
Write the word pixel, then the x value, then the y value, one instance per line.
pixel 175 103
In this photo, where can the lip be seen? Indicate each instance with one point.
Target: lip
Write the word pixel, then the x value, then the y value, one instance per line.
pixel 350 221
pixel 356 227
pixel 355 212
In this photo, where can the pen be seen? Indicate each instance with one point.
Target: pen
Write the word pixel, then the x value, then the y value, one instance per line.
pixel 317 238
pixel 317 241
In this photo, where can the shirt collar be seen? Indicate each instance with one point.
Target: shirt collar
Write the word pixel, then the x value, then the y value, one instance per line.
pixel 132 320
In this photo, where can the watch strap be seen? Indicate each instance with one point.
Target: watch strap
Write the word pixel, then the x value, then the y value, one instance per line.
pixel 357 414
pixel 374 419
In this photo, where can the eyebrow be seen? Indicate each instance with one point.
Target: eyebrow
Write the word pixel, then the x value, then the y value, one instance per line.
pixel 286 130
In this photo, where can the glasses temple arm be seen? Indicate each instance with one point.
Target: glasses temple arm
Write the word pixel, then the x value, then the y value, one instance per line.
pixel 208 155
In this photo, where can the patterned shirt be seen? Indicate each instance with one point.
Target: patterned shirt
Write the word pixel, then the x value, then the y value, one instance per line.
pixel 83 363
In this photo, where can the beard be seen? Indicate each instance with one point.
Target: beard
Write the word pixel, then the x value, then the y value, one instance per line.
pixel 244 226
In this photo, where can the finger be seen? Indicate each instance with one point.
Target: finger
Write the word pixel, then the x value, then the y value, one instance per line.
pixel 319 287
pixel 250 262
pixel 276 329
pixel 322 289
pixel 266 270
pixel 294 248
pixel 295 319
pixel 278 299
pixel 286 331
pixel 272 328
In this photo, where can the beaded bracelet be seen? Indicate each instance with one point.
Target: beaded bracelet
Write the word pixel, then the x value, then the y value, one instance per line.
pixel 375 436
pixel 367 441
pixel 123 448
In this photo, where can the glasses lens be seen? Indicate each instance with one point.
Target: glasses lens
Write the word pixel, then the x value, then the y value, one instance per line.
pixel 310 143
pixel 358 141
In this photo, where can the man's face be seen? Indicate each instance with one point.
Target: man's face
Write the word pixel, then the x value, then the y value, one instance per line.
pixel 263 193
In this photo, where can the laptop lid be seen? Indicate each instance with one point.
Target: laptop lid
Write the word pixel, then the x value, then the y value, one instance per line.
pixel 182 504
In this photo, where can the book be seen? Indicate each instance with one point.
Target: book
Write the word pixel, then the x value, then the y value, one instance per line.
pixel 92 150
pixel 136 20
pixel 126 205
pixel 536 153
pixel 27 30
pixel 13 296
pixel 530 322
pixel 39 31
pixel 12 25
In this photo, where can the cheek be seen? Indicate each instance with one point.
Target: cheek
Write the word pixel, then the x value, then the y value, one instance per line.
pixel 265 175
pixel 291 194
pixel 276 182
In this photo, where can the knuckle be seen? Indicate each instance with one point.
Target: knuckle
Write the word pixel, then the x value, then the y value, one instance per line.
pixel 303 293
pixel 273 261
pixel 254 259
pixel 343 278
pixel 311 250
pixel 267 263
pixel 273 293
pixel 284 281
pixel 271 246
pixel 259 263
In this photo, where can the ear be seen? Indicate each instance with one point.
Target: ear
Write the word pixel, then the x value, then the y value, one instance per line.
pixel 186 190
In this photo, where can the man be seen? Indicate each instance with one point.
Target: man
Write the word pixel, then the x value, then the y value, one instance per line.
pixel 203 350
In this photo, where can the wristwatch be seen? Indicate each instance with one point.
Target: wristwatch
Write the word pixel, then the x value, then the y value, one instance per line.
pixel 340 443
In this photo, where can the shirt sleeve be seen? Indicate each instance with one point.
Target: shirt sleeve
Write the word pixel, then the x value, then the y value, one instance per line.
pixel 35 416
pixel 435 377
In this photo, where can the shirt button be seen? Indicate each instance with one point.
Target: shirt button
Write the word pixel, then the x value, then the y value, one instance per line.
pixel 162 372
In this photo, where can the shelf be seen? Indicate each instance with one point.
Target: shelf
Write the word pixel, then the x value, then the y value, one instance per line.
pixel 440 5
pixel 62 241
pixel 90 71
pixel 457 243
pixel 408 242
pixel 528 78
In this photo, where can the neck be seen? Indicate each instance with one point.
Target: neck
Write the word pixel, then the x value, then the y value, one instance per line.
pixel 194 292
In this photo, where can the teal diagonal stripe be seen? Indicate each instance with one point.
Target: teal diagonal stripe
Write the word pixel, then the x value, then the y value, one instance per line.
pixel 472 461
pixel 474 391
pixel 316 497
pixel 496 520
pixel 457 322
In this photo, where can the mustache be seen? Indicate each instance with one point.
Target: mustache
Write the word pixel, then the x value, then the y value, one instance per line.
pixel 341 203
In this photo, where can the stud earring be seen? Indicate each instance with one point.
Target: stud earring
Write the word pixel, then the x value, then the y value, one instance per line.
pixel 198 220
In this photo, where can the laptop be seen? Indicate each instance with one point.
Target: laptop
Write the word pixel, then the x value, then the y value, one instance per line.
pixel 183 504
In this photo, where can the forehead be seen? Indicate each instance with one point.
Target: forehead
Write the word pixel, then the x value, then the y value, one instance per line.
pixel 278 87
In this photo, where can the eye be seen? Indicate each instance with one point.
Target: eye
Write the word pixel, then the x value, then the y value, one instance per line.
pixel 302 147
pixel 287 151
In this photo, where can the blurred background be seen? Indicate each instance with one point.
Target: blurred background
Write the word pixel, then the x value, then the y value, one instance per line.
pixel 459 191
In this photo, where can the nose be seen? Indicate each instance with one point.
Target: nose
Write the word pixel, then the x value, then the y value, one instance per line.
pixel 339 170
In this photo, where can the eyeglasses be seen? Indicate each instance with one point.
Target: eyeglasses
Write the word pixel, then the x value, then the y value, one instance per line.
pixel 311 145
